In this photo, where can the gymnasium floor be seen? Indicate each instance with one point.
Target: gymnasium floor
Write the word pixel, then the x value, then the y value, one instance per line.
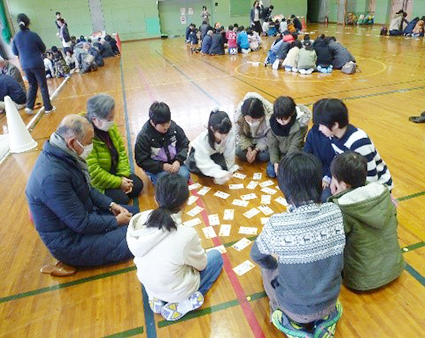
pixel 108 301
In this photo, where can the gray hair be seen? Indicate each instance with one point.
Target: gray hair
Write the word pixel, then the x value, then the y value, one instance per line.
pixel 100 106
pixel 73 126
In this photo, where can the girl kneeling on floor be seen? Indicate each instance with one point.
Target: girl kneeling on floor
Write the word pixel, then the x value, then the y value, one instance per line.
pixel 171 263
pixel 213 151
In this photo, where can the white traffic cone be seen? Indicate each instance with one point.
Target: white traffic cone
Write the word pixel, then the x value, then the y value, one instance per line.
pixel 19 137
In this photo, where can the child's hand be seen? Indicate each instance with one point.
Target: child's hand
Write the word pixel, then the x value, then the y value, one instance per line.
pixel 175 167
pixel 167 167
pixel 276 167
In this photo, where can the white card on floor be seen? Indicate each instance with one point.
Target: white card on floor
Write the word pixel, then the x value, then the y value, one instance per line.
pixel 192 199
pixel 251 213
pixel 240 203
pixel 266 199
pixel 252 185
pixel 266 184
pixel 243 268
pixel 264 220
pixel 248 230
pixel 209 232
pixel 194 186
pixel 196 210
pixel 249 197
pixel 220 248
pixel 242 244
pixel 236 186
pixel 229 214
pixel 282 201
pixel 265 210
pixel 269 191
pixel 213 219
pixel 192 222
pixel 225 230
pixel 257 176
pixel 204 190
pixel 222 194
pixel 238 175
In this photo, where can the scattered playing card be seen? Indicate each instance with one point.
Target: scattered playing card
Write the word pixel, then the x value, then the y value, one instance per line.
pixel 220 248
pixel 282 201
pixel 225 230
pixel 252 185
pixel 248 230
pixel 257 176
pixel 192 199
pixel 192 222
pixel 251 213
pixel 194 186
pixel 209 232
pixel 264 220
pixel 196 210
pixel 235 186
pixel 222 194
pixel 269 191
pixel 242 244
pixel 229 214
pixel 249 197
pixel 240 203
pixel 266 199
pixel 238 175
pixel 243 268
pixel 266 183
pixel 204 190
pixel 214 219
pixel 265 210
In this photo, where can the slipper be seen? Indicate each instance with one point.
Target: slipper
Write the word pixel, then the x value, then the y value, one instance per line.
pixel 325 328
pixel 417 119
pixel 156 305
pixel 175 311
pixel 288 327
pixel 59 270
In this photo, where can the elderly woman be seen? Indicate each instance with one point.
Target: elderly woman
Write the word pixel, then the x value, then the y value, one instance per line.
pixel 108 163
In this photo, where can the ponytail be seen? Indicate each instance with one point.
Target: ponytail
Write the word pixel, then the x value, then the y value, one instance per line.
pixel 23 21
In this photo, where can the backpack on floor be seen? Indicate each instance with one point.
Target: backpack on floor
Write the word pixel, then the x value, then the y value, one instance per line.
pixel 350 68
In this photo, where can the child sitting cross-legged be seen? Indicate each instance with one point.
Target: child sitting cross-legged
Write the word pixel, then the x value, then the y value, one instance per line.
pixel 301 253
pixel 171 263
pixel 372 256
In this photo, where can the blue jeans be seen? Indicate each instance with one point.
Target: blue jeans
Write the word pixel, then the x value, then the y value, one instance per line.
pixel 183 171
pixel 270 170
pixel 262 156
pixel 211 272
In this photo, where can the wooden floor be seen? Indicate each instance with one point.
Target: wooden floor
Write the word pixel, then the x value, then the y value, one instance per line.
pixel 108 301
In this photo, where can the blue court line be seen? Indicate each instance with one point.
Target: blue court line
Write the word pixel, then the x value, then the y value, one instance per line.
pixel 149 318
pixel 415 274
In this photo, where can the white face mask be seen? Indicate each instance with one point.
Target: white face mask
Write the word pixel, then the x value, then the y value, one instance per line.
pixel 87 150
pixel 105 125
pixel 254 124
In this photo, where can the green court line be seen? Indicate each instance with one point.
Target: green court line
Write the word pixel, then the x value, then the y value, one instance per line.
pixel 409 197
pixel 413 247
pixel 128 333
pixel 416 275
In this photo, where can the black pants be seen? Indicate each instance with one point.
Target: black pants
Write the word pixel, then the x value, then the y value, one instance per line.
pixel 217 158
pixel 120 197
pixel 37 77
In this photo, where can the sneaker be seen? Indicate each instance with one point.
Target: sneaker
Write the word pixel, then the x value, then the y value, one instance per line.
pixel 325 328
pixel 288 327
pixel 49 111
pixel 319 68
pixel 302 71
pixel 288 68
pixel 175 311
pixel 156 305
pixel 29 111
pixel 294 69
pixel 309 71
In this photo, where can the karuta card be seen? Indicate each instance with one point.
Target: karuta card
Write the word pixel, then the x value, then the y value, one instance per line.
pixel 282 201
pixel 240 203
pixel 204 190
pixel 264 220
pixel 251 213
pixel 229 214
pixel 192 222
pixel 252 185
pixel 243 268
pixel 265 210
pixel 213 219
pixel 235 186
pixel 222 194
pixel 220 248
pixel 196 210
pixel 241 244
pixel 249 197
pixel 266 199
pixel 192 199
pixel 194 186
pixel 266 184
pixel 225 230
pixel 269 191
pixel 248 230
pixel 239 175
pixel 209 232
pixel 257 176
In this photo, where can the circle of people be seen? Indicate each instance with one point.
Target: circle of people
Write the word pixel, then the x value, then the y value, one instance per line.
pixel 340 218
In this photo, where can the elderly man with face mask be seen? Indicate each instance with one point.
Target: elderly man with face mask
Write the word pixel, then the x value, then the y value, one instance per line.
pixel 79 225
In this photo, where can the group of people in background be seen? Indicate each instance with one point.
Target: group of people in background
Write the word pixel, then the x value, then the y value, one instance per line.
pixel 400 26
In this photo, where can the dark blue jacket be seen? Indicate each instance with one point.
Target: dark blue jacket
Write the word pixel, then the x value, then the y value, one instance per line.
pixel 10 87
pixel 29 47
pixel 320 146
pixel 217 44
pixel 72 218
pixel 411 26
pixel 206 44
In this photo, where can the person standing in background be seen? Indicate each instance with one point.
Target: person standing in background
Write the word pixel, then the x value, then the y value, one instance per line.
pixel 205 15
pixel 255 17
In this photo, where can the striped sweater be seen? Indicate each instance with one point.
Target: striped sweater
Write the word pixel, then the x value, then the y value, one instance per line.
pixel 357 140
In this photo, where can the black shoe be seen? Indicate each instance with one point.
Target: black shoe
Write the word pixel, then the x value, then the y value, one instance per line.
pixel 418 119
